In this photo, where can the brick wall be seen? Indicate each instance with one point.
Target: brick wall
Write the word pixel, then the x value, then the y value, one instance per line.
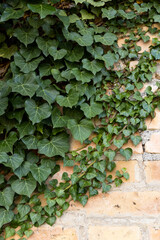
pixel 131 212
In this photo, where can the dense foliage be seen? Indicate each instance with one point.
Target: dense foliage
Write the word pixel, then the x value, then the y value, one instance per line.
pixel 60 77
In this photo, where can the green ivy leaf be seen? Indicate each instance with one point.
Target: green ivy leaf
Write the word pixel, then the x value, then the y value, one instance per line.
pixel 109 13
pixel 75 54
pixel 100 165
pixel 40 173
pixel 118 143
pixel 26 36
pixel 127 153
pixel 156 53
pixel 110 154
pixel 6 197
pixel 14 161
pixel 58 145
pixel 83 76
pixel 30 142
pixel 28 233
pixel 5 216
pixel 3 105
pixel 58 120
pixel 35 217
pixel 51 220
pixel 108 39
pixel 24 186
pixel 82 130
pixel 7 52
pixel 25 84
pixel 10 13
pixel 25 128
pixel 69 101
pixel 6 145
pixel 91 110
pixel 24 66
pixel 105 187
pixel 83 199
pixel 37 113
pixel 43 9
pixel 30 52
pixel 9 232
pixel 23 210
pixel 57 54
pixel 93 66
pixel 136 139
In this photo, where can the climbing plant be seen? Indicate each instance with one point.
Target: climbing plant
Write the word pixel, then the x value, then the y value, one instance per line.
pixel 65 75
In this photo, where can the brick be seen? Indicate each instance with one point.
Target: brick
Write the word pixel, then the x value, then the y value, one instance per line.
pixel 122 204
pixel 133 64
pixel 153 145
pixel 114 233
pixel 154 234
pixel 152 171
pixel 151 84
pixel 131 167
pixel 154 124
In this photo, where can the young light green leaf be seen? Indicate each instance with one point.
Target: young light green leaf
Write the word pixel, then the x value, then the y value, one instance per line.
pixel 7 52
pixel 37 113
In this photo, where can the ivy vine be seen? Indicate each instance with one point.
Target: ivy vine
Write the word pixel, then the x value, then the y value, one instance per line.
pixel 60 78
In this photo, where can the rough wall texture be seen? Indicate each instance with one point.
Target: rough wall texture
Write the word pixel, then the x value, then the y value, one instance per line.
pixel 131 212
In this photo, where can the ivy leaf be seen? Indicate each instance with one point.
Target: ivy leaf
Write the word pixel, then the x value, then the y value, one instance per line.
pixel 10 13
pixel 83 76
pixel 109 59
pixel 30 52
pixel 3 157
pixel 91 110
pixel 57 119
pixel 43 9
pixel 75 54
pixel 57 54
pixel 44 44
pixel 26 36
pixel 9 232
pixel 105 187
pixel 108 13
pixel 6 197
pixel 24 186
pixel 110 166
pixel 110 155
pixel 156 53
pixel 108 39
pixel 47 92
pixel 5 216
pixel 25 128
pixel 28 233
pixel 83 199
pixel 30 142
pixel 58 145
pixel 24 66
pixel 51 220
pixel 6 145
pixel 69 101
pixel 25 84
pixel 136 139
pixel 82 130
pixel 14 161
pixel 93 66
pixel 35 217
pixel 127 153
pixel 3 105
pixel 156 18
pixel 40 173
pixel 100 165
pixel 7 52
pixel 118 143
pixel 23 169
pixel 37 113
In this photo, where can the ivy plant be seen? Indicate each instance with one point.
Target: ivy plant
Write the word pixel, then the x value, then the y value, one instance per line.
pixel 64 75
